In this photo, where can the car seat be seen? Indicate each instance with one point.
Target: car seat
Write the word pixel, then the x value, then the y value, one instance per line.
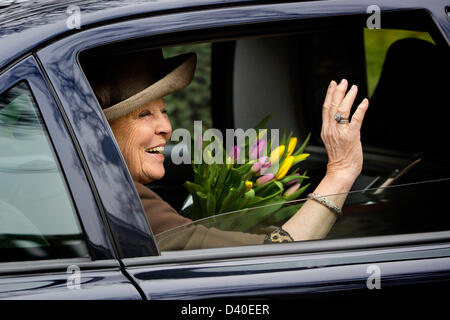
pixel 409 110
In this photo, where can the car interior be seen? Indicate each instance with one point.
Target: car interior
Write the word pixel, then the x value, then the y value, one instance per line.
pixel 284 69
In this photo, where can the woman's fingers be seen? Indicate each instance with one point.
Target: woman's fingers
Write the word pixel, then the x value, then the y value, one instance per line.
pixel 346 104
pixel 338 95
pixel 337 100
pixel 327 103
pixel 342 142
pixel 358 115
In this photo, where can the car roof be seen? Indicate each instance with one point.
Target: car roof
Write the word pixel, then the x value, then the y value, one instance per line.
pixel 27 24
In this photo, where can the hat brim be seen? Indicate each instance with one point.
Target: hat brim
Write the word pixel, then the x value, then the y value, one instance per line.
pixel 175 80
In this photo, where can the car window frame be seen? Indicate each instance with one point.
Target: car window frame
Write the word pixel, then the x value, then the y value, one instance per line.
pixel 174 24
pixel 85 209
pixel 401 243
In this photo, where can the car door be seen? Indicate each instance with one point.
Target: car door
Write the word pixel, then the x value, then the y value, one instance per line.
pixel 53 240
pixel 389 247
pixel 351 266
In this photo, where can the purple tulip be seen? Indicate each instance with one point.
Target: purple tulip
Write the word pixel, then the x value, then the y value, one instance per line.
pixel 256 167
pixel 257 149
pixel 264 179
pixel 292 189
pixel 265 167
pixel 235 153
pixel 259 164
pixel 290 183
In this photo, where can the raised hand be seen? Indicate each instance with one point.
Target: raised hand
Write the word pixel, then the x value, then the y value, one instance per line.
pixel 343 140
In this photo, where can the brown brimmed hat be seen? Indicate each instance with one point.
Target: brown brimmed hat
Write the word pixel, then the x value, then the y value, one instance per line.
pixel 124 82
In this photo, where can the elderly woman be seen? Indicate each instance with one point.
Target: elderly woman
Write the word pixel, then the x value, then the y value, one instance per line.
pixel 131 96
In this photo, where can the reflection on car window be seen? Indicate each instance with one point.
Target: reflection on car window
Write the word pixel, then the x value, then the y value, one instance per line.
pixel 37 218
pixel 400 209
pixel 241 227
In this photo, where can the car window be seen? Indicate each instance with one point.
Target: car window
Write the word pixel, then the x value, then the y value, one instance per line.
pixel 286 75
pixel 37 217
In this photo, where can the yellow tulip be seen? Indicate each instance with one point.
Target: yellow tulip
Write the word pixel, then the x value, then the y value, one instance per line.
pixel 248 185
pixel 287 164
pixel 300 157
pixel 291 146
pixel 228 162
pixel 276 154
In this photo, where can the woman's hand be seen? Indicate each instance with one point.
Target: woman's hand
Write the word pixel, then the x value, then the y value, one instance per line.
pixel 345 158
pixel 342 141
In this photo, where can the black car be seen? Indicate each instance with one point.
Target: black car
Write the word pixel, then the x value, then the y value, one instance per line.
pixel 71 223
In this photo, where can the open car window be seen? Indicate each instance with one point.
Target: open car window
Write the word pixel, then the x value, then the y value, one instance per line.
pixel 286 73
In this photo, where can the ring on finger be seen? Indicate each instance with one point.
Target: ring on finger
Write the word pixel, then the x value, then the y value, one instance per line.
pixel 340 119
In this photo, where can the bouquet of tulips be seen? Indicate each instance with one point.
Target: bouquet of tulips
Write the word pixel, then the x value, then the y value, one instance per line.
pixel 256 174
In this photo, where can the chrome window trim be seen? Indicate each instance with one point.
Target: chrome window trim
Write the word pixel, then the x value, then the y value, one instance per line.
pixel 407 241
pixel 57 265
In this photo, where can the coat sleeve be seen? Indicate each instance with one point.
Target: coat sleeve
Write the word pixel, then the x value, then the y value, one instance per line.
pixel 174 232
pixel 200 237
pixel 160 215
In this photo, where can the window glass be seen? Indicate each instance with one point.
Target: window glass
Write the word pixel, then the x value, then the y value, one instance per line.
pixel 37 217
pixel 403 209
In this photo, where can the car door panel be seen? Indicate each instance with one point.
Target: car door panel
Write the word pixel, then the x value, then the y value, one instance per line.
pixel 60 285
pixel 96 233
pixel 100 274
pixel 292 275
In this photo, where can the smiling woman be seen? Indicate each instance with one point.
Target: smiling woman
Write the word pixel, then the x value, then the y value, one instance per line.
pixel 141 136
pixel 130 86
pixel 131 97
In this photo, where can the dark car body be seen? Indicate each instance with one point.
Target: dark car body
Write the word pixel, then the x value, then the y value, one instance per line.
pixel 124 261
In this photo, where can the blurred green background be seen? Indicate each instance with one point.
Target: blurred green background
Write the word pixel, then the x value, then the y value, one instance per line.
pixel 194 101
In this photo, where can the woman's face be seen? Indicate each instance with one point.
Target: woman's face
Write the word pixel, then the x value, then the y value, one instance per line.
pixel 142 135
